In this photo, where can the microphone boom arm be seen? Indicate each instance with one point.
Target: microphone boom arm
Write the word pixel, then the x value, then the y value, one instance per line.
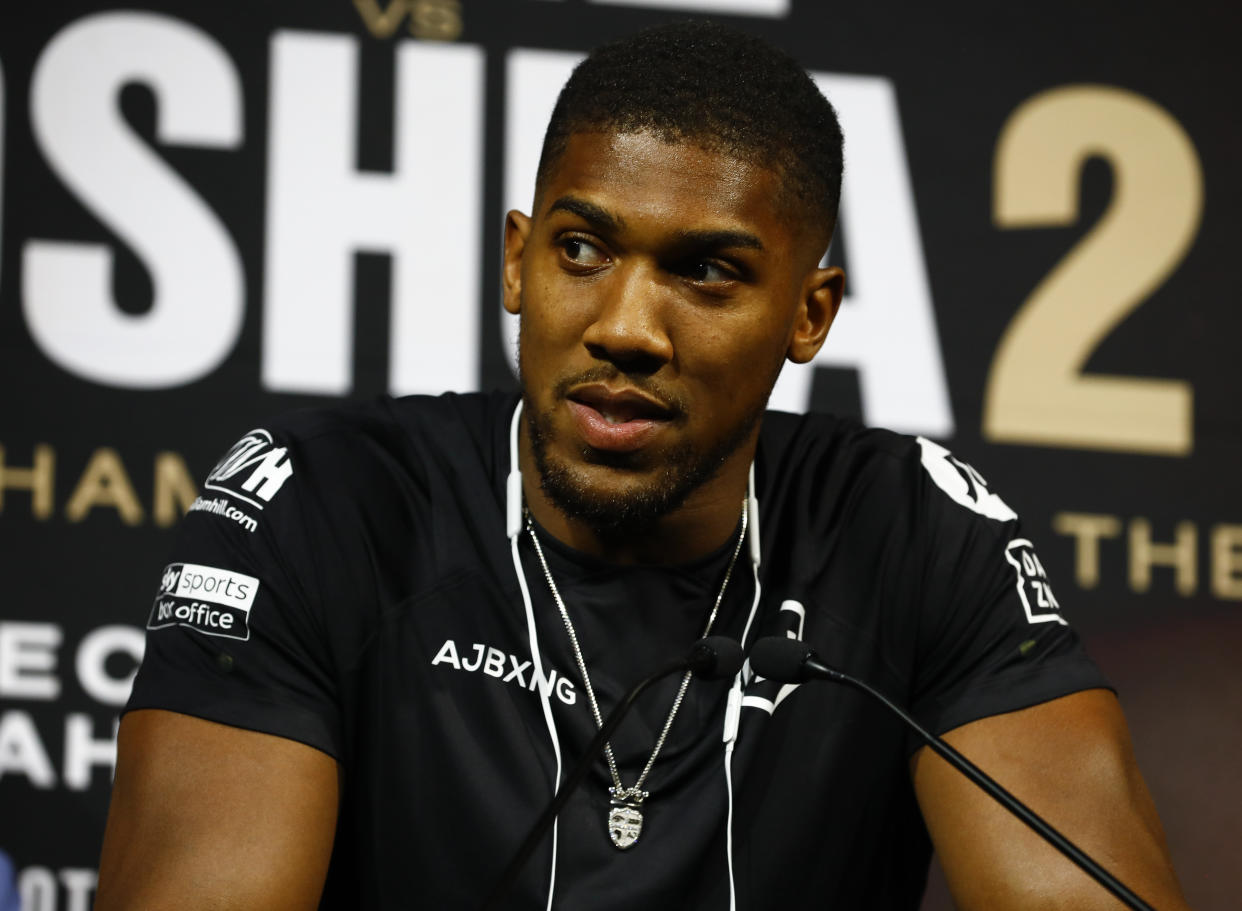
pixel 988 784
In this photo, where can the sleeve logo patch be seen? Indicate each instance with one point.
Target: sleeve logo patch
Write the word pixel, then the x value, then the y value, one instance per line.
pixel 204 598
pixel 1033 588
pixel 254 470
pixel 962 483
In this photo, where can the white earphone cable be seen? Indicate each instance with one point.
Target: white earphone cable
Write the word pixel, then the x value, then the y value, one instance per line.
pixel 513 507
pixel 733 709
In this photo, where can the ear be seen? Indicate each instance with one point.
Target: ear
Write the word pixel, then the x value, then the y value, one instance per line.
pixel 517 229
pixel 821 298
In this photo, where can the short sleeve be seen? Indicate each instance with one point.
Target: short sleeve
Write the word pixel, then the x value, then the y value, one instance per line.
pixel 235 631
pixel 992 637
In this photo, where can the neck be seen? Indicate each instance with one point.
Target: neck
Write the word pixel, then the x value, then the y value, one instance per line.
pixel 704 522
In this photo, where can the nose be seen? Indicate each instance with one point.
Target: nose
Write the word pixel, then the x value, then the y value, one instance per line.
pixel 630 328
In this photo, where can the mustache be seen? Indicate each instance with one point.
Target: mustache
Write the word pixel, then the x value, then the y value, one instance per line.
pixel 611 374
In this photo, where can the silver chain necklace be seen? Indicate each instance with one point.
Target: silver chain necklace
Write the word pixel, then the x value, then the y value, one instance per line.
pixel 625 818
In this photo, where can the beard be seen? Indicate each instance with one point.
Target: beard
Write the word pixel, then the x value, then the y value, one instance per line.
pixel 683 469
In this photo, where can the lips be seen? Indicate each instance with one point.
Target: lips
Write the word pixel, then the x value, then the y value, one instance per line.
pixel 617 420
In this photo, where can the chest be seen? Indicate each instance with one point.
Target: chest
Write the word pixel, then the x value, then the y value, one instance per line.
pixel 451 748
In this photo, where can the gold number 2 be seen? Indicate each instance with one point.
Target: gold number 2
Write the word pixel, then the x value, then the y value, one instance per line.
pixel 1036 390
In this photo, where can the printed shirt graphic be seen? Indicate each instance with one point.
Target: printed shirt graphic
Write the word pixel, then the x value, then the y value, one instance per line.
pixel 204 598
pixel 1032 583
pixel 766 695
pixel 968 488
pixel 386 629
pixel 961 482
pixel 254 470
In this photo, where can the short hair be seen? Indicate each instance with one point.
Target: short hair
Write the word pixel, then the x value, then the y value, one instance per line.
pixel 700 82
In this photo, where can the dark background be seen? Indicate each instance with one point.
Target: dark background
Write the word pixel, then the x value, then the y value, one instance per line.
pixel 959 72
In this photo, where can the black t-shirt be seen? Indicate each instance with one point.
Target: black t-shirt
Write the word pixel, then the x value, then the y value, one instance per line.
pixel 345 580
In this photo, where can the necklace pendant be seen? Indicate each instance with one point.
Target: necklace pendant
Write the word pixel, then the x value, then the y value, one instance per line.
pixel 625 824
pixel 625 819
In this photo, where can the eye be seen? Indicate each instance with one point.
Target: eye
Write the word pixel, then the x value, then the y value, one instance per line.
pixel 582 252
pixel 708 272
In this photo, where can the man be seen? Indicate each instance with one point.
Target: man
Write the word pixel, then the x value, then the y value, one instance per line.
pixel 373 693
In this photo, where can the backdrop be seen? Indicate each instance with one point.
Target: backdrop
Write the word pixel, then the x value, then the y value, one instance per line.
pixel 210 212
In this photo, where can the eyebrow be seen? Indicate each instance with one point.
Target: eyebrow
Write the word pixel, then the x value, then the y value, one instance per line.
pixel 602 219
pixel 719 240
pixel 588 212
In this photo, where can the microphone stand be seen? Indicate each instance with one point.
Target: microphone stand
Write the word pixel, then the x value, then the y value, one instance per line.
pixel 813 666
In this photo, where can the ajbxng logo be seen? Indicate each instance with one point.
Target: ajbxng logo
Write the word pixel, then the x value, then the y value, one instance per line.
pixel 205 598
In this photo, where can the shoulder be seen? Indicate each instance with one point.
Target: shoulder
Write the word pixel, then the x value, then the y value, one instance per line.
pixel 358 441
pixel 828 456
pixel 828 485
pixel 385 421
pixel 825 459
pixel 333 514
pixel 819 441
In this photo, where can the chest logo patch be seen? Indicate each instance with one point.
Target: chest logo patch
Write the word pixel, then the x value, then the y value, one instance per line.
pixel 507 668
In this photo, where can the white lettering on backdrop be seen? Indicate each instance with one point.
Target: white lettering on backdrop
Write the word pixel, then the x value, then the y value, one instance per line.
pixel 22 751
pixel 28 660
pixel 31 670
pixel 426 215
pixel 194 266
pixel 886 330
pixel 41 891
pixel 92 656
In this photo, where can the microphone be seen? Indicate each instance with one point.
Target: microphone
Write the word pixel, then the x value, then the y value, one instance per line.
pixel 711 658
pixel 793 661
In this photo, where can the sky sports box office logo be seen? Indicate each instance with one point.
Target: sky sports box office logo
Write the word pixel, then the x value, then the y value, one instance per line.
pixel 204 598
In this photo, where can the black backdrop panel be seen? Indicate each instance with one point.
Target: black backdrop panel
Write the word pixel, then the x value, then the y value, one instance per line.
pixel 213 212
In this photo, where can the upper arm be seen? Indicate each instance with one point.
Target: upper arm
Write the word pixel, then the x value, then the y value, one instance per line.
pixel 204 815
pixel 1069 760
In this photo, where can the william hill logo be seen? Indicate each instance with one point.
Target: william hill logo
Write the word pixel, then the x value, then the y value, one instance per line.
pixel 253 470
pixel 208 599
